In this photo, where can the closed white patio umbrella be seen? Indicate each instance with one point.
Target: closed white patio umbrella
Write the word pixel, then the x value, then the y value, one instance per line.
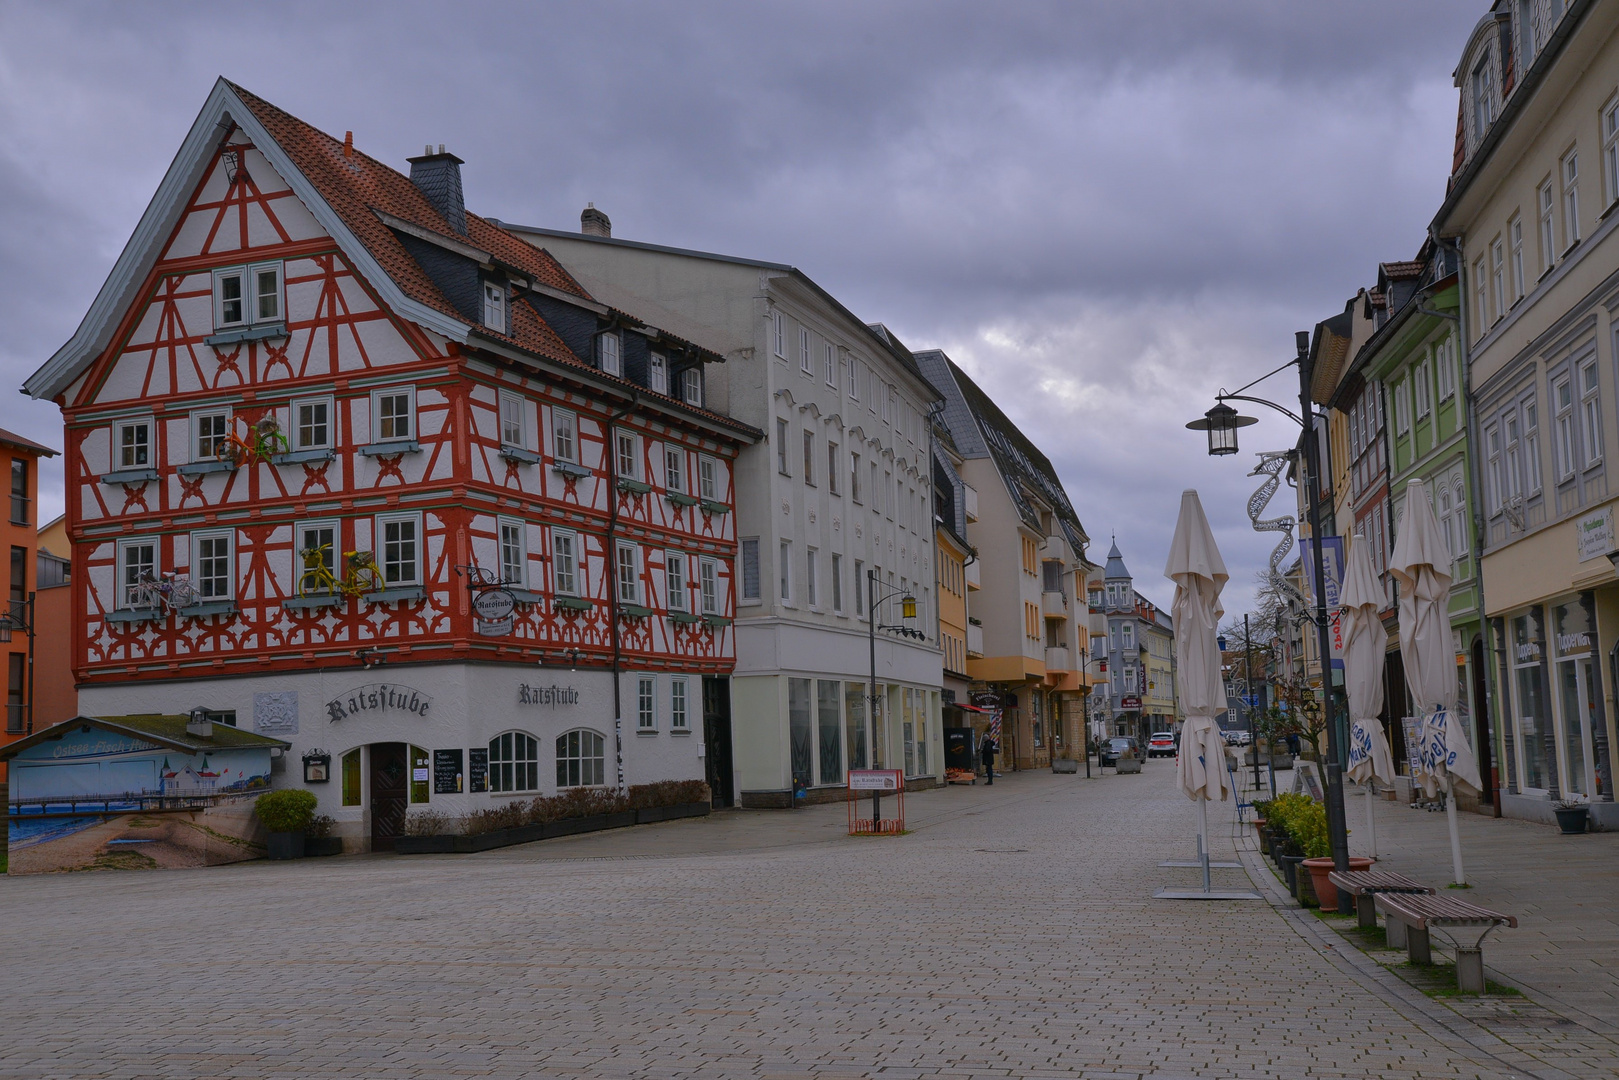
pixel 1421 565
pixel 1199 574
pixel 1365 642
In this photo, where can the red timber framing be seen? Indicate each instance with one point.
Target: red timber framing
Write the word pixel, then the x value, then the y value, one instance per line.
pixel 501 451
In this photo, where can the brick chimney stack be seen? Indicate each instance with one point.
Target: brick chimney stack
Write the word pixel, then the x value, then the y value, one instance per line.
pixel 438 176
pixel 592 222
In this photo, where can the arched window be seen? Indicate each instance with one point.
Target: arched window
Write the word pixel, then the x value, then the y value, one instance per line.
pixel 514 762
pixel 581 759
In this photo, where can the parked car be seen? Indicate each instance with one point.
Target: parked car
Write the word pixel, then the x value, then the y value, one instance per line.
pixel 1244 738
pixel 1162 744
pixel 1114 747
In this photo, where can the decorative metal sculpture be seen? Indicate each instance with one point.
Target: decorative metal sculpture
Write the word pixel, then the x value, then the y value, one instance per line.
pixel 1271 464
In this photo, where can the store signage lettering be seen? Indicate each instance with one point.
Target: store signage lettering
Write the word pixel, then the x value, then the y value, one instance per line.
pixel 1593 534
pixel 1528 652
pixel 547 695
pixel 379 697
pixel 1571 642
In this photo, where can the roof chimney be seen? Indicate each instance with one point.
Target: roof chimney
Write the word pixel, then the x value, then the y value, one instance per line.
pixel 438 176
pixel 592 222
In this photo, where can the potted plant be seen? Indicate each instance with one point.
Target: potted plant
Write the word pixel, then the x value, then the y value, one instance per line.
pixel 318 838
pixel 286 814
pixel 1572 816
pixel 1064 763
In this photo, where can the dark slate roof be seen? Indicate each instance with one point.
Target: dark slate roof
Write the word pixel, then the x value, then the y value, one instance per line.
pixel 168 731
pixel 1017 459
pixel 958 416
pixel 1115 564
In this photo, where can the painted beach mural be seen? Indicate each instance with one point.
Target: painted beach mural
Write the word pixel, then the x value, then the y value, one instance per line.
pixel 136 792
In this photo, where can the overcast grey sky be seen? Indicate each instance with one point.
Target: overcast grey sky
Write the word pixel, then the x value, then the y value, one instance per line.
pixel 1103 211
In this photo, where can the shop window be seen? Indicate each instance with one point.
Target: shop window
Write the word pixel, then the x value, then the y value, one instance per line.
pixel 351 777
pixel 854 723
pixel 800 731
pixel 1532 729
pixel 514 762
pixel 581 759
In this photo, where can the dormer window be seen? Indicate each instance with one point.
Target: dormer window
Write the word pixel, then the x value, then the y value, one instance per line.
pixel 607 351
pixel 691 386
pixel 494 306
pixel 657 374
pixel 1483 98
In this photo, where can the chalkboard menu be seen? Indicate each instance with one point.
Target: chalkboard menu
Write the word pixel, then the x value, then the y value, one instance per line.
pixel 447 772
pixel 478 769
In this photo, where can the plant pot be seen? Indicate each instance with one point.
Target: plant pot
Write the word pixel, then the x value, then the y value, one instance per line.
pixel 1573 820
pixel 1064 765
pixel 1304 887
pixel 286 845
pixel 1325 890
pixel 1290 871
pixel 315 846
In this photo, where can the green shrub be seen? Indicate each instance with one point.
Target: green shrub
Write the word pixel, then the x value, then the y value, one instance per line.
pixel 424 822
pixel 289 810
pixel 320 826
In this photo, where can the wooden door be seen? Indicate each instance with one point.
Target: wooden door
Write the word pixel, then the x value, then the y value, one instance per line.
pixel 390 790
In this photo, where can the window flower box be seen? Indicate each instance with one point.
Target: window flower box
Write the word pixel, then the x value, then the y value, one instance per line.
pixel 572 603
pixel 391 449
pixel 395 596
pixel 634 611
pixel 634 486
pixel 712 507
pixel 130 476
pixel 680 498
pixel 568 468
pixel 301 457
pixel 203 468
pixel 262 332
pixel 519 455
pixel 684 618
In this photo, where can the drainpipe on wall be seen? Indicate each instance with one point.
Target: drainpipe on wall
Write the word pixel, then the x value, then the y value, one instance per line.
pixel 610 447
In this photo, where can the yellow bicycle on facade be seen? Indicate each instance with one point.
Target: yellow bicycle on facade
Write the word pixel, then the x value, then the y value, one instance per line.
pixel 317 575
pixel 360 575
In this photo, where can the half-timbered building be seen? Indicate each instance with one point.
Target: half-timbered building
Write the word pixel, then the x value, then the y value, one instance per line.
pixel 350 466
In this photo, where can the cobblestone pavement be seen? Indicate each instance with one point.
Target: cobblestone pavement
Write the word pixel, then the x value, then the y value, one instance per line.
pixel 1012 934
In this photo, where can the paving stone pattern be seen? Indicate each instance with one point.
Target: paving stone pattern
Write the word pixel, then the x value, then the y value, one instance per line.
pixel 1012 934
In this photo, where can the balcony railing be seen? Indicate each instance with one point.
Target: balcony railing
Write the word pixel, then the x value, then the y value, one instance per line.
pixel 1054 604
pixel 1057 658
pixel 969 502
pixel 975 640
pixel 974 575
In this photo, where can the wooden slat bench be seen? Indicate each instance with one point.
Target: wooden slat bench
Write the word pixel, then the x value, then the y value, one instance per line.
pixel 1364 884
pixel 1464 925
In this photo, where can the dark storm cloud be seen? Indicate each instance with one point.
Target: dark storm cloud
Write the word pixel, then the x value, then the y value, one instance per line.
pixel 1104 211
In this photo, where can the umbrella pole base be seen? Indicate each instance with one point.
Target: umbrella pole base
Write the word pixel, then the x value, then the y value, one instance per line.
pixel 1199 894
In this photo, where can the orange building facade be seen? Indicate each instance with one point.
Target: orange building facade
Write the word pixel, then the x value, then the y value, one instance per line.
pixel 19 541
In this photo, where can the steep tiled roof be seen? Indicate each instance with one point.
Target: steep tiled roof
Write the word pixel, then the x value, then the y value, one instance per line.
pixel 8 438
pixel 1410 269
pixel 359 185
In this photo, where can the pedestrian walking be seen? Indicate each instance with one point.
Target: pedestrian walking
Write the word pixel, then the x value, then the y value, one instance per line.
pixel 987 750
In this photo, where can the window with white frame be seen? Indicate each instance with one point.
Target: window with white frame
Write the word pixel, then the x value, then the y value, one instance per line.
pixel 401 549
pixel 317 542
pixel 1458 493
pixel 859 588
pixel 1570 169
pixel 833 467
pixel 1129 632
pixel 607 354
pixel 778 334
pixel 1498 276
pixel 657 373
pixel 627 564
pixel 1515 238
pixel 646 703
pixel 312 423
pixel 811 586
pixel 854 477
pixel 564 436
pixel 888 486
pixel 674 580
pixel 785 572
pixel 708 478
pixel 494 306
pixel 137 562
pixel 1445 367
pixel 565 562
pixel 674 469
pixel 209 430
pixel 890 401
pixel 132 443
pixel 512 427
pixel 1610 151
pixel 393 412
pixel 708 581
pixel 1531 445
pixel 1447 526
pixel 513 553
pixel 829 361
pixel 679 704
pixel 1402 407
pixel 211 565
pixel 837 583
pixel 247 294
pixel 1514 460
pixel 1493 478
pixel 581 759
pixel 1563 422
pixel 1481 297
pixel 514 762
pixel 809 458
pixel 1545 198
pixel 627 454
pixel 1590 413
pixel 854 379
pixel 804 363
pixel 752 587
pixel 781 448
pixel 691 385
pixel 1483 82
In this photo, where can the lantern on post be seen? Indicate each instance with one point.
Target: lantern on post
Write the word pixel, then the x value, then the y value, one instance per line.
pixel 1222 422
